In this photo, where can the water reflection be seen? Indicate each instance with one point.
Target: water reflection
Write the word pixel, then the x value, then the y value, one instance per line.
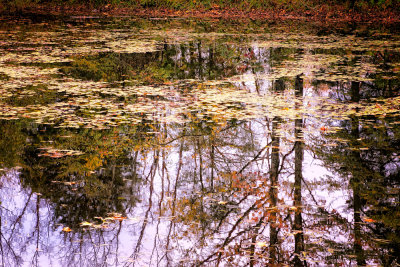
pixel 289 187
pixel 193 60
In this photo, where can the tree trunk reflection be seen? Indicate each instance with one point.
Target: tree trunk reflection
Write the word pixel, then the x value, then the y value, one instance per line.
pixel 298 177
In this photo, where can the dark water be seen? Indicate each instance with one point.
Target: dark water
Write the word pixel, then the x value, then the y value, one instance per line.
pixel 128 142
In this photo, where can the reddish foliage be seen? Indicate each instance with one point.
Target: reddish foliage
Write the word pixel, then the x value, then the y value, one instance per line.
pixel 323 13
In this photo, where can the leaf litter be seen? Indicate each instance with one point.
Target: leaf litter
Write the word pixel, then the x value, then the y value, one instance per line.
pixel 100 105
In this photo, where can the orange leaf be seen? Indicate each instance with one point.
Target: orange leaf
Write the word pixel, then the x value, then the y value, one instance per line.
pixel 369 220
pixel 119 218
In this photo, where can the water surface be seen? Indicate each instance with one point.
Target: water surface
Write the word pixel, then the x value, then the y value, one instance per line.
pixel 131 142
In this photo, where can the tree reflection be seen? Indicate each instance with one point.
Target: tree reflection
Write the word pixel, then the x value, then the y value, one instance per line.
pixel 273 174
pixel 298 179
pixel 369 158
pixel 192 60
pixel 207 191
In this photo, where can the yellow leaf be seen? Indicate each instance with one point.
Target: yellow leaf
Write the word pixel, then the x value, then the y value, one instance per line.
pixel 86 224
pixel 66 229
pixel 261 244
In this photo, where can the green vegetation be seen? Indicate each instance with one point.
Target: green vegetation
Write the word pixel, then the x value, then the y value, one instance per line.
pixel 158 66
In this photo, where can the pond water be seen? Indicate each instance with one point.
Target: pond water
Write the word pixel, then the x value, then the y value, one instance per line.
pixel 133 142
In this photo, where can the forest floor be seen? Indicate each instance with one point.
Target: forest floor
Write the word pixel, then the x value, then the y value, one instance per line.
pixel 323 13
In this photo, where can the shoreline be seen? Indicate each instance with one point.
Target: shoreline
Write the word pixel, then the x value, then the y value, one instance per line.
pixel 323 13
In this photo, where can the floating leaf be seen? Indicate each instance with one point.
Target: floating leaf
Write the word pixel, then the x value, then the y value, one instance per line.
pixel 66 229
pixel 86 224
pixel 261 244
pixel 368 220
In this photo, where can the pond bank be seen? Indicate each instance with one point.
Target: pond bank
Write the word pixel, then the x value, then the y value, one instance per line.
pixel 322 13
